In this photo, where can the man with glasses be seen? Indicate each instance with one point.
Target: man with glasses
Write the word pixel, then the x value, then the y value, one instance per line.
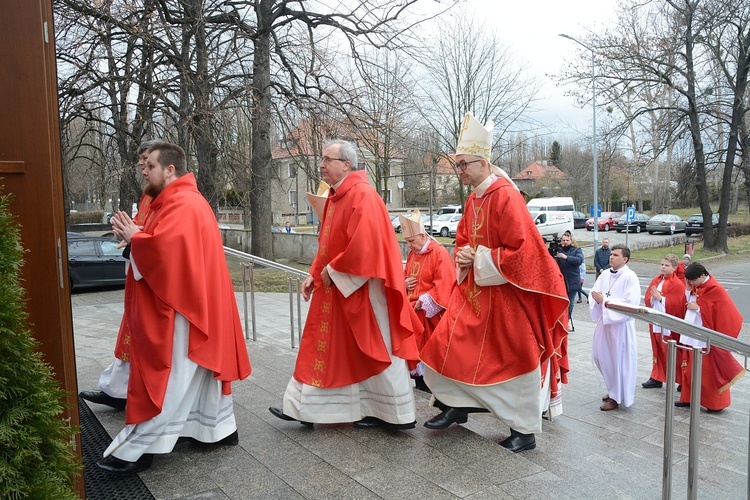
pixel 502 337
pixel 360 328
pixel 709 305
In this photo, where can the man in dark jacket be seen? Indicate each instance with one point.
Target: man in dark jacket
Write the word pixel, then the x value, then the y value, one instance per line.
pixel 569 258
pixel 601 257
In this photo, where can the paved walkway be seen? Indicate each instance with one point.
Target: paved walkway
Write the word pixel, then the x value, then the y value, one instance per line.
pixel 585 453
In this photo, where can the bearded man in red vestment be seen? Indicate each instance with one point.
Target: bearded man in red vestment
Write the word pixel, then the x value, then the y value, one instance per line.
pixel 503 336
pixel 113 382
pixel 187 341
pixel 665 293
pixel 709 305
pixel 429 276
pixel 360 328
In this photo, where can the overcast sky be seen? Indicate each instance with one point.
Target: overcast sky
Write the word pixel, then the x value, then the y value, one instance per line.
pixel 531 28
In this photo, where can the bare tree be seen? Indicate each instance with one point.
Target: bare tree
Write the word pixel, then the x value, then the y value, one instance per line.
pixel 466 72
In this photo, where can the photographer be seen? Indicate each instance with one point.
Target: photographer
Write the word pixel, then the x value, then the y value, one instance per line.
pixel 569 257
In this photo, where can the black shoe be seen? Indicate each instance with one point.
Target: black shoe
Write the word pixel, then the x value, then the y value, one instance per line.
pixel 448 417
pixel 231 440
pixel 714 411
pixel 103 398
pixel 279 413
pixel 651 384
pixel 114 465
pixel 518 442
pixel 578 301
pixel 419 384
pixel 680 404
pixel 373 422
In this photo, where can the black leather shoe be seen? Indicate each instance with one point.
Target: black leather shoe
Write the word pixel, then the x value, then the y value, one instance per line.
pixel 373 422
pixel 519 442
pixel 279 413
pixel 651 384
pixel 231 440
pixel 680 404
pixel 114 465
pixel 448 417
pixel 419 384
pixel 103 398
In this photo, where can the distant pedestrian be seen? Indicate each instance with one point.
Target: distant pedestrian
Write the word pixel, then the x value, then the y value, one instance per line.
pixel 601 257
pixel 680 271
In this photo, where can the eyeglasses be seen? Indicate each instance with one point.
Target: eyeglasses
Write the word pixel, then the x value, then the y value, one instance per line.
pixel 461 166
pixel 327 159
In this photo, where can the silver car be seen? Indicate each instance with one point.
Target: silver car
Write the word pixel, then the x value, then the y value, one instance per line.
pixel 666 223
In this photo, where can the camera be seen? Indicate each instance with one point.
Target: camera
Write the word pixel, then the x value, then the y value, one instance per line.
pixel 554 246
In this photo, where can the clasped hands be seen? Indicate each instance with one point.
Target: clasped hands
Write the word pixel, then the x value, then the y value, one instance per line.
pixel 124 227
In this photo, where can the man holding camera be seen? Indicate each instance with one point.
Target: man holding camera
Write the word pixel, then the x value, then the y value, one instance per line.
pixel 569 257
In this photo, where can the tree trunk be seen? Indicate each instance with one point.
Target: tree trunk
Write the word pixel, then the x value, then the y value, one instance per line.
pixel 260 199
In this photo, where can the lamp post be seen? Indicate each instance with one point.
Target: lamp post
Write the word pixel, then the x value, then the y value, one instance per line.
pixel 596 173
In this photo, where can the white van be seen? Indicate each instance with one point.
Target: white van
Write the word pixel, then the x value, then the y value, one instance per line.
pixel 552 216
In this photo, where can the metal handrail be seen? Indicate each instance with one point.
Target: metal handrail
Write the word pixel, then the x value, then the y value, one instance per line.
pixel 248 262
pixel 710 337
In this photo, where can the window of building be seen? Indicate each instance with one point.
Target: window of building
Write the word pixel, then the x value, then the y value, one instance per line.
pixel 293 197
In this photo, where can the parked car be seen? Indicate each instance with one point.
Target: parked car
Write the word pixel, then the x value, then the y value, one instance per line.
pixel 638 223
pixel 665 223
pixel 445 209
pixel 695 223
pixel 95 261
pixel 445 225
pixel 396 223
pixel 579 220
pixel 606 221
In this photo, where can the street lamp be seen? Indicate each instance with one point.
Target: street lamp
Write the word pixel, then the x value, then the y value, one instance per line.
pixel 596 174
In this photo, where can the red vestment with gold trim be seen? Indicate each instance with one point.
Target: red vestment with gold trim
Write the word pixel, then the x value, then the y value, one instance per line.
pixel 493 334
pixel 342 343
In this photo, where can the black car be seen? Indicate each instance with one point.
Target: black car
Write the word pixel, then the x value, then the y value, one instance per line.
pixel 579 220
pixel 95 261
pixel 695 223
pixel 637 225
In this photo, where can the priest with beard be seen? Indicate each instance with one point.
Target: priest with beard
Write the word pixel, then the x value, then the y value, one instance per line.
pixel 187 341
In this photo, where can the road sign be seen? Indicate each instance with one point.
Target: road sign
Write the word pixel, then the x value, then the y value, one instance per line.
pixel 598 210
pixel 630 215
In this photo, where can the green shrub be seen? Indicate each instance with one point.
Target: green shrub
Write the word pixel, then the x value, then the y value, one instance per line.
pixel 36 457
pixel 738 229
pixel 91 217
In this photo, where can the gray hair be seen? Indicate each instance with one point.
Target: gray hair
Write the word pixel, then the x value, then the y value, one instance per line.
pixel 145 146
pixel 347 152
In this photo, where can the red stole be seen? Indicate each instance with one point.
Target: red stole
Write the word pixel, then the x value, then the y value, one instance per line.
pixel 122 346
pixel 342 343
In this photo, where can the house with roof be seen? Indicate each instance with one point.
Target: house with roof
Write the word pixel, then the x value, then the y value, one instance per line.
pixel 296 161
pixel 541 179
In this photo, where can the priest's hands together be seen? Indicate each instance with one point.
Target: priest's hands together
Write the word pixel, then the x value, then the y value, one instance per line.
pixel 123 226
pixel 465 257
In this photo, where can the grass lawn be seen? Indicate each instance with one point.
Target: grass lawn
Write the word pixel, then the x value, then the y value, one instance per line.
pixel 736 245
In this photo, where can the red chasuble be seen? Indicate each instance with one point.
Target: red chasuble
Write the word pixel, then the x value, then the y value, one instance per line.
pixel 122 346
pixel 341 343
pixel 720 370
pixel 492 334
pixel 673 290
pixel 181 257
pixel 436 275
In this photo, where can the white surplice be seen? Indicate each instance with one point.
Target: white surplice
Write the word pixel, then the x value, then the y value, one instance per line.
pixel 614 348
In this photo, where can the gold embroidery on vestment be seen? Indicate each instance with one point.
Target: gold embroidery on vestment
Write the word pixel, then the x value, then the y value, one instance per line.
pixel 319 365
pixel 322 346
